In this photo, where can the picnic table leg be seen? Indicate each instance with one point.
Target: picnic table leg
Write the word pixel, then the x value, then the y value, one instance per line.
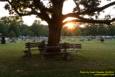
pixel 65 54
pixel 42 51
pixel 29 52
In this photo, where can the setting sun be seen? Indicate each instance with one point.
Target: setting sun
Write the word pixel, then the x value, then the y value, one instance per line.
pixel 70 26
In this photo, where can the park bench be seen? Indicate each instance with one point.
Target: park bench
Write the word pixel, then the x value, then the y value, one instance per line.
pixel 65 47
pixel 70 47
pixel 29 46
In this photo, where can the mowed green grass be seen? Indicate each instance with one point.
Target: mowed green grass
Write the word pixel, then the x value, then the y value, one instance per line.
pixel 94 55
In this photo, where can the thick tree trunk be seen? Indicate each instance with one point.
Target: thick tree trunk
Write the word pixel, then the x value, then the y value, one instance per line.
pixel 54 38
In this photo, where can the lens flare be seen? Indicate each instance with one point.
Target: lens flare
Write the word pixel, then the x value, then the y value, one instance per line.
pixel 70 26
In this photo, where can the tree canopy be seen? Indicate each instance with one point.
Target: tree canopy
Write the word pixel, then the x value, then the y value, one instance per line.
pixel 45 9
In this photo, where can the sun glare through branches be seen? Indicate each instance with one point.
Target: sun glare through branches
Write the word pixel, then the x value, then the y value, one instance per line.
pixel 71 26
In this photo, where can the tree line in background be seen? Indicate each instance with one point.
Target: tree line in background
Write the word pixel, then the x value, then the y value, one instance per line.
pixel 13 27
pixel 92 30
pixel 99 30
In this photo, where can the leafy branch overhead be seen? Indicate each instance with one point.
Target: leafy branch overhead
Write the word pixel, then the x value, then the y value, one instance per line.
pixel 52 9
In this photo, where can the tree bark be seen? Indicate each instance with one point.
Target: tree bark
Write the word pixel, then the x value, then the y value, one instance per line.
pixel 54 38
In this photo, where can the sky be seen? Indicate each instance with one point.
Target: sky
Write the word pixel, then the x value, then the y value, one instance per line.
pixel 68 6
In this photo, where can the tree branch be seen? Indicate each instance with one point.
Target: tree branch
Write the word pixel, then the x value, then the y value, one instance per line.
pixel 70 15
pixel 88 11
pixel 42 15
pixel 91 21
pixel 77 4
pixel 3 0
pixel 99 9
pixel 43 10
pixel 20 14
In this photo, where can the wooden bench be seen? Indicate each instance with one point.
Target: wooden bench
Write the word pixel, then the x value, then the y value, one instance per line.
pixel 29 46
pixel 68 46
pixel 42 48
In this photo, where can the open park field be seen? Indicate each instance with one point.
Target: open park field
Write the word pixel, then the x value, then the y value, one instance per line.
pixel 94 56
pixel 86 27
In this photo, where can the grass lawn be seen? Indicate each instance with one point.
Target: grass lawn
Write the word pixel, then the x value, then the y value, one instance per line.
pixel 94 56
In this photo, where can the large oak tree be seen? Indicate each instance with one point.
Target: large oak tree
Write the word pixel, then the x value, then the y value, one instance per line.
pixel 51 12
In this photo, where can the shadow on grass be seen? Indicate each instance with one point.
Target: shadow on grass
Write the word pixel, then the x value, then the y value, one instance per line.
pixel 53 67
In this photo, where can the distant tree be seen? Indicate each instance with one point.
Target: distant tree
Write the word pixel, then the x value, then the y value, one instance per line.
pixel 12 34
pixel 43 30
pixel 111 30
pixel 24 30
pixel 3 29
pixel 102 29
pixel 14 28
pixel 35 28
pixel 12 23
pixel 38 29
pixel 3 32
pixel 98 29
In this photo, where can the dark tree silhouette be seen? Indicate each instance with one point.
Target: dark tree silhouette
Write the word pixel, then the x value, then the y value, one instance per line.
pixel 51 12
